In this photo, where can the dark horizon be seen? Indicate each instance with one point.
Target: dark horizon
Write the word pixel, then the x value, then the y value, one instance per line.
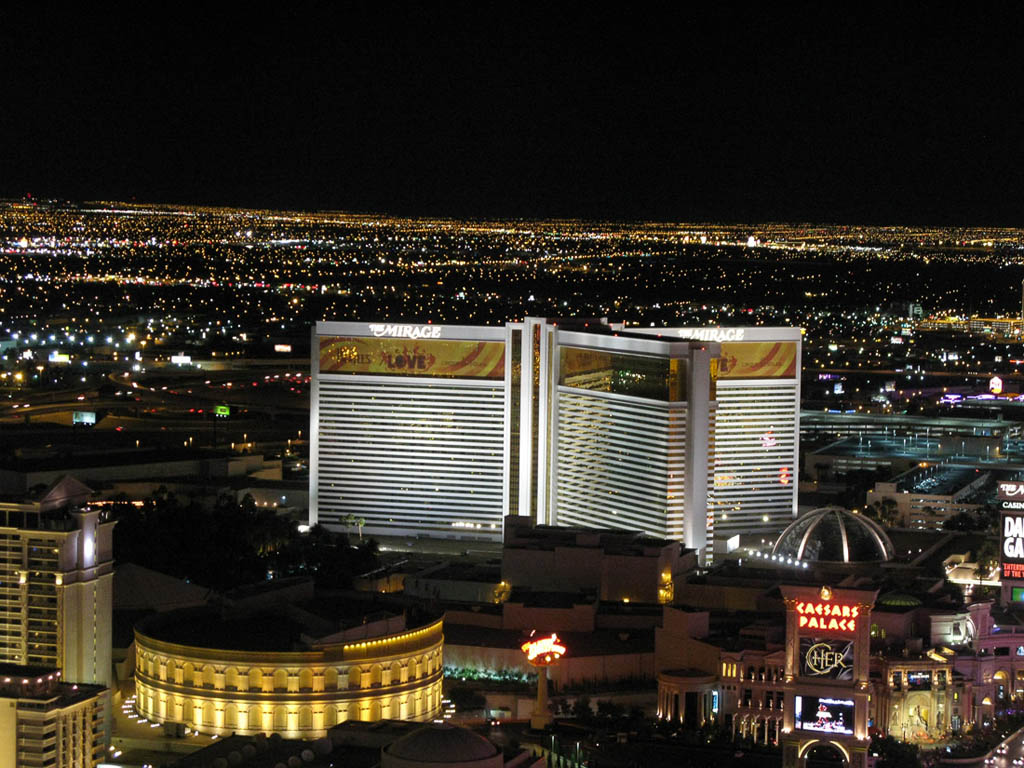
pixel 463 111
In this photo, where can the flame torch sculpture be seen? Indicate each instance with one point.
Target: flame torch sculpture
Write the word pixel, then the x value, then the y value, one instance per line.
pixel 542 653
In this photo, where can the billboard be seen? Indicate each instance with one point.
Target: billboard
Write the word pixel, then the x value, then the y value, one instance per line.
pixel 827 615
pixel 826 659
pixel 431 357
pixel 758 360
pixel 919 680
pixel 1011 553
pixel 1010 495
pixel 823 714
pixel 83 417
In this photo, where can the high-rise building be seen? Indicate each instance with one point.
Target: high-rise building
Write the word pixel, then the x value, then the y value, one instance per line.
pixel 47 722
pixel 757 428
pixel 631 423
pixel 409 428
pixel 689 434
pixel 56 578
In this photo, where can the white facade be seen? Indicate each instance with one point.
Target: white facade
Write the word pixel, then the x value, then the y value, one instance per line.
pixel 630 459
pixel 409 453
pixel 410 450
pixel 757 428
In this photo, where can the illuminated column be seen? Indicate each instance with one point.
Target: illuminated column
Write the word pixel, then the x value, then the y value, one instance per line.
pixel 23 602
pixel 541 654
pixel 61 634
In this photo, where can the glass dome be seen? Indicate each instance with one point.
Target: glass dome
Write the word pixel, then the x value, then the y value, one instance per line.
pixel 834 535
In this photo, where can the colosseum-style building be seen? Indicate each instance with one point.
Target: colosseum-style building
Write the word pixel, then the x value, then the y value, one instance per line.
pixel 275 674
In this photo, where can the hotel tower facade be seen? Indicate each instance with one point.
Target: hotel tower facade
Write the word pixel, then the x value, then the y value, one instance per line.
pixel 441 430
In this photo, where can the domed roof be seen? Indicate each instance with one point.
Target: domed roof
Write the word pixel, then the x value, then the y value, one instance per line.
pixel 834 535
pixel 899 600
pixel 442 743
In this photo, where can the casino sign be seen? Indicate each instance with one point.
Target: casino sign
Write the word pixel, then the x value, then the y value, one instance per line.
pixel 827 616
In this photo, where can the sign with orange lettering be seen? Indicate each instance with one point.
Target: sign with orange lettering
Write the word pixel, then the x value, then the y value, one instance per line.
pixel 543 651
pixel 828 616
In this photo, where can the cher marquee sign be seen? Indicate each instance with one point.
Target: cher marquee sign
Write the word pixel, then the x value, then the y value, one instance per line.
pixel 823 658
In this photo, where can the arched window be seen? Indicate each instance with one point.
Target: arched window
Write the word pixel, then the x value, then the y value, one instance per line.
pixel 374 711
pixel 231 716
pixel 280 718
pixel 280 680
pixel 331 679
pixel 255 719
pixel 395 673
pixel 305 718
pixel 231 678
pixel 255 679
pixel 209 676
pixel 376 674
pixel 171 672
pixel 330 716
pixel 305 679
pixel 355 677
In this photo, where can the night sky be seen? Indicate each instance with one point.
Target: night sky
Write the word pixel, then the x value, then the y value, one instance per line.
pixel 489 110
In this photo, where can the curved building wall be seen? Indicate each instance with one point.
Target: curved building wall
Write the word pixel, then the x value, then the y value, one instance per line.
pixel 295 694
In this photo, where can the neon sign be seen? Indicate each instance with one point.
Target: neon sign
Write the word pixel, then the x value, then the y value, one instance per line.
pixel 406 331
pixel 712 334
pixel 828 616
pixel 544 650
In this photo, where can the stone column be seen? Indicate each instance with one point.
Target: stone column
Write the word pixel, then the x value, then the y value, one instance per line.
pixel 540 718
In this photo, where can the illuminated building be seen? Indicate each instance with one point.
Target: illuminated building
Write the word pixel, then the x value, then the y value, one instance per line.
pixel 443 430
pixel 409 428
pixel 47 722
pixel 632 419
pixel 811 694
pixel 56 577
pixel 266 673
pixel 757 428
